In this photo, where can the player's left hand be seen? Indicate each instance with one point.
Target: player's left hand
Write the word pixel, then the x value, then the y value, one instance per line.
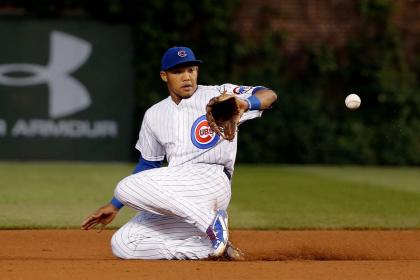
pixel 223 113
pixel 102 216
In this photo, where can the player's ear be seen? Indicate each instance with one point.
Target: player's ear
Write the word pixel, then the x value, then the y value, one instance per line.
pixel 163 76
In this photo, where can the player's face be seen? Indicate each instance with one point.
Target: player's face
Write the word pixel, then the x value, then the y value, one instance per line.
pixel 181 82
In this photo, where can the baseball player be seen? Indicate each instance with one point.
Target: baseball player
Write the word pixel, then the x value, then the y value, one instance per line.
pixel 182 206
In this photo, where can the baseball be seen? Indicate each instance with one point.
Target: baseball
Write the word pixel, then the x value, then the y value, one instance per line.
pixel 353 101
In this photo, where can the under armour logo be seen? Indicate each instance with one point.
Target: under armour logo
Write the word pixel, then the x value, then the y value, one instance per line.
pixel 67 54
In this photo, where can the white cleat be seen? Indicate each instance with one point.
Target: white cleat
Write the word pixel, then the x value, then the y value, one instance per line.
pixel 218 233
pixel 233 253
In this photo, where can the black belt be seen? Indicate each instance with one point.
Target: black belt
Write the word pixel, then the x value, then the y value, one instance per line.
pixel 227 173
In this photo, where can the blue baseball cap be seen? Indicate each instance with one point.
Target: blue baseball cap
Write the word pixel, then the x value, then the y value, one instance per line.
pixel 178 56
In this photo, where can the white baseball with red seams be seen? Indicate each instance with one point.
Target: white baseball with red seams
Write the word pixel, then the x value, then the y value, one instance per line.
pixel 353 101
pixel 179 200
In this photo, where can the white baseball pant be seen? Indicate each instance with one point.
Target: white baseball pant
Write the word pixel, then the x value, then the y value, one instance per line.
pixel 176 204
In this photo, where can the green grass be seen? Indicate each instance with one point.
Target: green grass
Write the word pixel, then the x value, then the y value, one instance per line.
pixel 45 195
pixel 61 195
pixel 325 197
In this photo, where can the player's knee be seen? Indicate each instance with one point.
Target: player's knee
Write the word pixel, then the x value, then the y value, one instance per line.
pixel 128 188
pixel 117 247
pixel 122 190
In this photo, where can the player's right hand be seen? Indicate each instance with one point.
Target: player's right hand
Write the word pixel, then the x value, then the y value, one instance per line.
pixel 102 216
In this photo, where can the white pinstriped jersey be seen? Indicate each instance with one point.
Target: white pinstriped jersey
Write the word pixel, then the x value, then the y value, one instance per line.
pixel 181 132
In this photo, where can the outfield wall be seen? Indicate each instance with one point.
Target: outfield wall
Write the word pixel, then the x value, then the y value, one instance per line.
pixel 65 90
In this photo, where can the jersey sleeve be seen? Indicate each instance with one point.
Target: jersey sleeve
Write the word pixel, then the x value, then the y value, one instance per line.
pixel 244 92
pixel 148 145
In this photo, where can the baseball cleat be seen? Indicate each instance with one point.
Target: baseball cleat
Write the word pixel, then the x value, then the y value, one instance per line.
pixel 233 253
pixel 218 233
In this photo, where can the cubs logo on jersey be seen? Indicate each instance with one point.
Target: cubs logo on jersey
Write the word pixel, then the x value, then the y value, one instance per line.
pixel 241 89
pixel 202 136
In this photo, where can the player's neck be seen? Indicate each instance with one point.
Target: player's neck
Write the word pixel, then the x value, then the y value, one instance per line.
pixel 175 98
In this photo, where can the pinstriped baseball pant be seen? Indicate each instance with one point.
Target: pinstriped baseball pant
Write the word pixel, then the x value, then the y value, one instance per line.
pixel 176 204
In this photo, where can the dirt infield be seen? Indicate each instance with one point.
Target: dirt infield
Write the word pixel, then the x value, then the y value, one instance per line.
pixel 76 254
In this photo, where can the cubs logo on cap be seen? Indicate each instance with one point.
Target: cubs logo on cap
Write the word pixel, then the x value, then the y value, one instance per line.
pixel 182 53
pixel 202 136
pixel 178 56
